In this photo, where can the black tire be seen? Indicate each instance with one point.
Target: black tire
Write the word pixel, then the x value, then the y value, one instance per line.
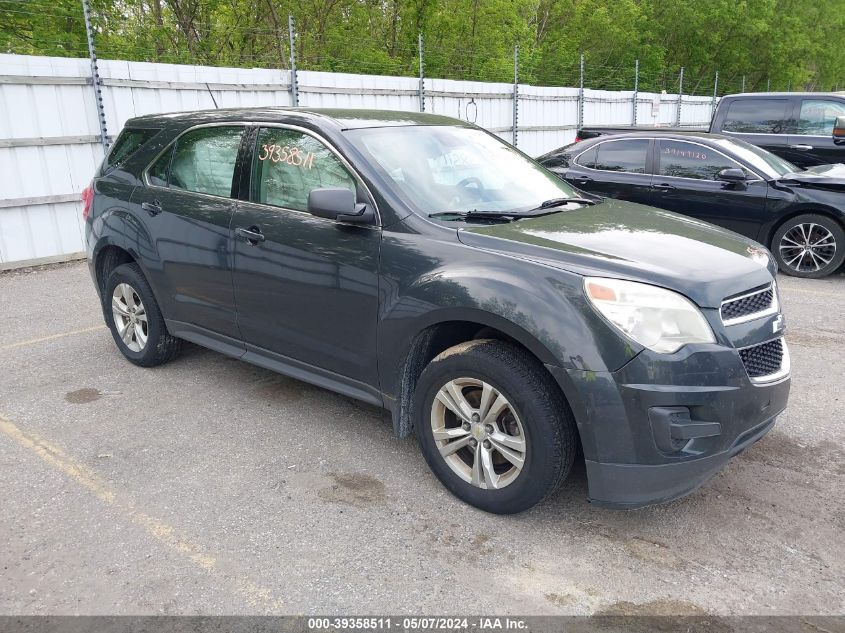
pixel 160 346
pixel 550 434
pixel 785 252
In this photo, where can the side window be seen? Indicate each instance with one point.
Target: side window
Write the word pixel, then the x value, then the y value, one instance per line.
pixel 204 160
pixel 818 116
pixel 688 160
pixel 129 141
pixel 757 116
pixel 587 159
pixel 288 164
pixel 628 156
pixel 158 172
pixel 558 159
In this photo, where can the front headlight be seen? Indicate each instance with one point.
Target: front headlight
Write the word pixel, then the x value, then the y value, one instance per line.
pixel 659 319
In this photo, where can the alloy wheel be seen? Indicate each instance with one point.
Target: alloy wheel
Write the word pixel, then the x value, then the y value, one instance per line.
pixel 807 248
pixel 130 317
pixel 478 433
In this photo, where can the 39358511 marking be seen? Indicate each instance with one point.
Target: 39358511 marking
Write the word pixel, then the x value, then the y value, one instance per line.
pixel 288 155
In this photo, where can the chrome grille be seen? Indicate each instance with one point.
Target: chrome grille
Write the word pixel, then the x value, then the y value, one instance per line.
pixel 751 305
pixel 765 360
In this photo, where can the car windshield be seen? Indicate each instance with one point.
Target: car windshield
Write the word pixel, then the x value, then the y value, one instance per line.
pixel 764 162
pixel 441 169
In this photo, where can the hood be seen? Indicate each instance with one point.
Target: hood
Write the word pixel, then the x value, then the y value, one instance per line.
pixel 822 176
pixel 631 241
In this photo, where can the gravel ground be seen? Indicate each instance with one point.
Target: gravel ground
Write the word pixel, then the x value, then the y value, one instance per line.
pixel 211 486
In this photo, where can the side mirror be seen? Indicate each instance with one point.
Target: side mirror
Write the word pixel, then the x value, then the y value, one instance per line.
pixel 732 175
pixel 338 204
pixel 839 130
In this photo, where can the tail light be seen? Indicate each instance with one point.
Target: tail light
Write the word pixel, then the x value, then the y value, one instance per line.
pixel 87 197
pixel 578 139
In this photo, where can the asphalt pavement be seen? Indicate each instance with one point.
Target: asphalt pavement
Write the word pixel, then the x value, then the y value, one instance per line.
pixel 211 486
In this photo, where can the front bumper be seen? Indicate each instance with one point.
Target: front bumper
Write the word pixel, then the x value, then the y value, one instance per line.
pixel 662 425
pixel 629 486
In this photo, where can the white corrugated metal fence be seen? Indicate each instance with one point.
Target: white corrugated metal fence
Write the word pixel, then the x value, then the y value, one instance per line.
pixel 49 129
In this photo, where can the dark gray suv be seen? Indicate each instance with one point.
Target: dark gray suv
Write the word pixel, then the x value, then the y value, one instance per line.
pixel 421 264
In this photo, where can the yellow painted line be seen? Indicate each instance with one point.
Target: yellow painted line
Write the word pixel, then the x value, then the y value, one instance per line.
pixel 163 533
pixel 52 337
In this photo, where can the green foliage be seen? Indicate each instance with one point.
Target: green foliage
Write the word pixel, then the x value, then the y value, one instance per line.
pixel 786 43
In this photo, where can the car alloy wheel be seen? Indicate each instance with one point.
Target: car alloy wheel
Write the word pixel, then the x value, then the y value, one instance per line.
pixel 807 248
pixel 478 433
pixel 130 317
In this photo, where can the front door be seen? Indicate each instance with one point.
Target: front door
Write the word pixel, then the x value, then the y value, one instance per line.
pixel 615 169
pixel 306 287
pixel 812 143
pixel 685 182
pixel 183 236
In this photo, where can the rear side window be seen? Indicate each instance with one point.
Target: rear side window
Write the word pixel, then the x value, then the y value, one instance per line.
pixel 558 159
pixel 204 161
pixel 689 160
pixel 628 156
pixel 757 116
pixel 818 116
pixel 587 159
pixel 288 164
pixel 129 142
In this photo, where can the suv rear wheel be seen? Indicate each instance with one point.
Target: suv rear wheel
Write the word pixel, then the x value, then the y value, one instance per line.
pixel 135 320
pixel 493 426
pixel 810 246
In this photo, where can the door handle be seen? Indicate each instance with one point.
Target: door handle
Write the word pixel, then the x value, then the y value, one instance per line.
pixel 582 179
pixel 252 235
pixel 801 148
pixel 663 187
pixel 153 208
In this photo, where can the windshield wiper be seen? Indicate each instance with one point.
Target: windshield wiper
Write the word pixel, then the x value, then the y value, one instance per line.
pixel 504 216
pixel 558 202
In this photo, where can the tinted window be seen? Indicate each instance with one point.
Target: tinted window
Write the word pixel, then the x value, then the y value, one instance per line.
pixel 588 158
pixel 558 159
pixel 629 156
pixel 127 144
pixel 818 116
pixel 204 160
pixel 158 172
pixel 287 165
pixel 688 160
pixel 757 116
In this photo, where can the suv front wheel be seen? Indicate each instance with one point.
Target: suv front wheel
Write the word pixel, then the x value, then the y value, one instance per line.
pixel 493 426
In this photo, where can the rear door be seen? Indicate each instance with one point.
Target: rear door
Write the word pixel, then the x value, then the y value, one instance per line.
pixel 617 168
pixel 685 182
pixel 761 121
pixel 183 234
pixel 812 143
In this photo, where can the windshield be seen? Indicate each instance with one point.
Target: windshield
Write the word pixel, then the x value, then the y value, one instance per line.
pixel 455 169
pixel 764 162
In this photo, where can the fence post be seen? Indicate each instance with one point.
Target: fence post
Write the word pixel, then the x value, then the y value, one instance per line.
pixel 294 81
pixel 422 72
pixel 636 92
pixel 581 94
pixel 768 84
pixel 715 93
pixel 515 95
pixel 680 97
pixel 95 76
pixel 743 84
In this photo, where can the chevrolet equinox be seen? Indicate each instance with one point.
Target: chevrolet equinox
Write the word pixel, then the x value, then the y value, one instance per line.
pixel 421 264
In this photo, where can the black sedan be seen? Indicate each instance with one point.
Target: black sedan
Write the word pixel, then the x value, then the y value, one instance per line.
pixel 799 214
